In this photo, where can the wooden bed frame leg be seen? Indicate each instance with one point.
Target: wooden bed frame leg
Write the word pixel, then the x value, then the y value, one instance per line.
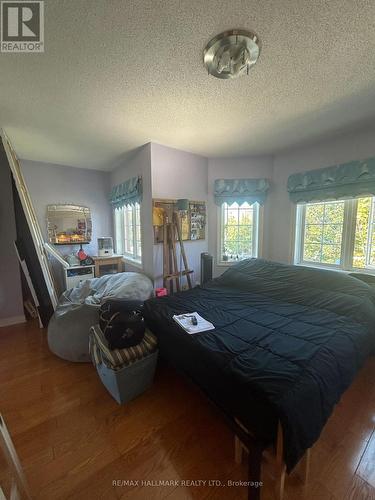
pixel 280 465
pixel 254 471
pixel 238 450
pixel 305 467
pixel 255 463
pixel 280 482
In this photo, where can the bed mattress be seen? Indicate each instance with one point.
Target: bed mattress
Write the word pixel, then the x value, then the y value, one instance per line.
pixel 288 341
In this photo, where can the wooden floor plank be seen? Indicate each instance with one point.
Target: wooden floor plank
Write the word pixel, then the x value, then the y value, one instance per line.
pixel 360 490
pixel 366 468
pixel 74 440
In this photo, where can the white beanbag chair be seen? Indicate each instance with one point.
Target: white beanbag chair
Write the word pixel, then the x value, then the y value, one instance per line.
pixel 78 310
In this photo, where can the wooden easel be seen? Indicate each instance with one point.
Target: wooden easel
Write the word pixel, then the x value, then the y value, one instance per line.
pixel 171 272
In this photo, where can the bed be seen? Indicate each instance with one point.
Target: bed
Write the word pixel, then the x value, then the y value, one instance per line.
pixel 288 341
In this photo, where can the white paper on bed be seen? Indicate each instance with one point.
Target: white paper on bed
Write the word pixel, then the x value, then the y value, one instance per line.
pixel 184 320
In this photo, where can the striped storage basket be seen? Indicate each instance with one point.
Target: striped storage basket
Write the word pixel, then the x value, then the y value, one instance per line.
pixel 125 373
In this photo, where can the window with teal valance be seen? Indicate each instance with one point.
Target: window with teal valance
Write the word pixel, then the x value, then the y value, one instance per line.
pixel 240 191
pixel 127 193
pixel 348 180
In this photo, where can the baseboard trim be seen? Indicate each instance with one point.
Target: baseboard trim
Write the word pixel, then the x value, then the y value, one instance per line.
pixel 13 320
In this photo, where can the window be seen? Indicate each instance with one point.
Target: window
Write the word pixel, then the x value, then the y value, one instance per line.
pixel 238 231
pixel 339 234
pixel 128 231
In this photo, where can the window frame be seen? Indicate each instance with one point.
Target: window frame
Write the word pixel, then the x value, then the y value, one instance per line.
pixel 256 236
pixel 136 256
pixel 347 242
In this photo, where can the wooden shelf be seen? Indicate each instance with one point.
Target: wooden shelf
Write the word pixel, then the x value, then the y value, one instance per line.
pixel 72 243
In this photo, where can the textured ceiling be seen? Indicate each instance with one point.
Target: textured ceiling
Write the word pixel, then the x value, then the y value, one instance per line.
pixel 117 74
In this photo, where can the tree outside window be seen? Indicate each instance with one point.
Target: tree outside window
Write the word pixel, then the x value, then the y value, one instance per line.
pixel 337 233
pixel 239 226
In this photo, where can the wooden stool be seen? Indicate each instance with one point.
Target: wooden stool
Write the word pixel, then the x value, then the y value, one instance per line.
pixel 274 457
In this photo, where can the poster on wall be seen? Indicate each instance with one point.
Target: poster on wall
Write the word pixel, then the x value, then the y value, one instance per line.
pixel 197 211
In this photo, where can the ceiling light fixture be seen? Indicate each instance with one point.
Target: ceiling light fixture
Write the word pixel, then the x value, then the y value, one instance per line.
pixel 231 54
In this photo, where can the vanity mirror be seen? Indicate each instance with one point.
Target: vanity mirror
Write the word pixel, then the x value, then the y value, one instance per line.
pixel 68 224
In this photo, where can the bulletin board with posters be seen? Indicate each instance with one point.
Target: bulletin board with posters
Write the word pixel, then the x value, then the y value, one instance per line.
pixel 192 221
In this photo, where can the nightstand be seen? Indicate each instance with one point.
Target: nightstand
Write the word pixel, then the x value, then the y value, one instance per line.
pixel 109 264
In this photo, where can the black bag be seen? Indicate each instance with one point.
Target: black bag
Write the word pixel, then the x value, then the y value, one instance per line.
pixel 122 323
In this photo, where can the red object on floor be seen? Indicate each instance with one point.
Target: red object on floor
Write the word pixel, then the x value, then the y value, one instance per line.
pixel 161 292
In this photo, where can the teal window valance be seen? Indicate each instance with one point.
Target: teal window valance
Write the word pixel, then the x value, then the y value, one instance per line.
pixel 240 191
pixel 348 180
pixel 127 193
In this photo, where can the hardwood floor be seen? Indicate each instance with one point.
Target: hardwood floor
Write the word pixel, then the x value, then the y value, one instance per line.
pixel 74 440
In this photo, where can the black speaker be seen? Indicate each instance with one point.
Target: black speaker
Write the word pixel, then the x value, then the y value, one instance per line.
pixel 207 262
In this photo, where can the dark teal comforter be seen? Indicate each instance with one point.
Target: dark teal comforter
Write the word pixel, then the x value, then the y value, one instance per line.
pixel 288 341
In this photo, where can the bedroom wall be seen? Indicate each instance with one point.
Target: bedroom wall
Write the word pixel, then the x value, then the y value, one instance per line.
pixel 50 184
pixel 11 307
pixel 138 162
pixel 340 149
pixel 236 168
pixel 178 174
pixel 170 173
pixel 53 184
